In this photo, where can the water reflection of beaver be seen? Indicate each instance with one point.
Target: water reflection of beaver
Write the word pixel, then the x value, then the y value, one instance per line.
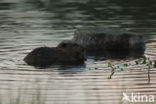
pixel 66 53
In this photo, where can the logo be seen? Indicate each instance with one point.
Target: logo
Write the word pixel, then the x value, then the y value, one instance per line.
pixel 137 97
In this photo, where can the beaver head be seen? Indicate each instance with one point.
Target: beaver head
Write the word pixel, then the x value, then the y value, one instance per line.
pixel 71 45
pixel 73 48
pixel 66 53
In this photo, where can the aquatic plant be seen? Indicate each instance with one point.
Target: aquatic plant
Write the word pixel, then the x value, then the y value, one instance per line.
pixel 112 71
pixel 143 60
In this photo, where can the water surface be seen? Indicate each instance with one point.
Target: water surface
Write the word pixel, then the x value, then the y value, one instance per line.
pixel 27 24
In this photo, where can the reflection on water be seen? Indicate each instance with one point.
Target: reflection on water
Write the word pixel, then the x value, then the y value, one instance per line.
pixel 27 24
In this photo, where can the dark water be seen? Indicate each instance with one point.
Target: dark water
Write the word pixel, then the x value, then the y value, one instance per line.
pixel 27 24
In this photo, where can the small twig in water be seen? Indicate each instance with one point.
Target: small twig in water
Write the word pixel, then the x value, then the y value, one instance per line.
pixel 149 75
pixel 149 66
pixel 154 64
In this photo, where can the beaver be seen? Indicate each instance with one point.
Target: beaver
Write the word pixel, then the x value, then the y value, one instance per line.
pixel 110 43
pixel 65 53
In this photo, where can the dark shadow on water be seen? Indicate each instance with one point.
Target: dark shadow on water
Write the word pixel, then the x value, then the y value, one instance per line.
pixel 64 69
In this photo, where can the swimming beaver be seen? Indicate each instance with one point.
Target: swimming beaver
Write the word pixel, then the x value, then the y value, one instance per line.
pixel 66 53
pixel 109 42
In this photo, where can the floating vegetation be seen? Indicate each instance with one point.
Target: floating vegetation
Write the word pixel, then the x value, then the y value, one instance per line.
pixel 143 60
